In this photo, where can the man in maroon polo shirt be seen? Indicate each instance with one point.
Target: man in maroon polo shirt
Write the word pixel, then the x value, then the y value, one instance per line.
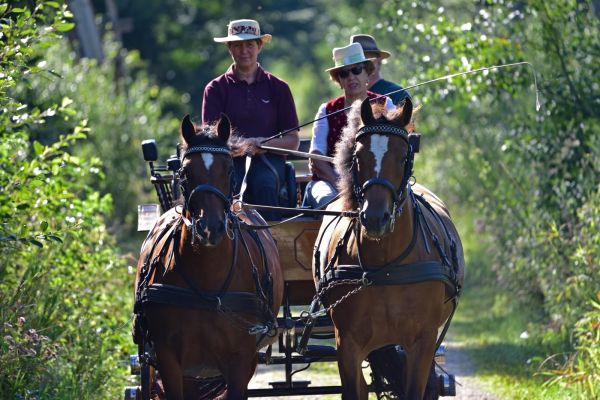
pixel 259 105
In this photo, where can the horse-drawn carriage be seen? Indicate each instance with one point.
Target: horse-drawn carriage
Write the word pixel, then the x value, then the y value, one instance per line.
pixel 241 297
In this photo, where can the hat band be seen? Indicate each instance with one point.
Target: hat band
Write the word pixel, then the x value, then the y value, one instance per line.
pixel 244 29
pixel 352 59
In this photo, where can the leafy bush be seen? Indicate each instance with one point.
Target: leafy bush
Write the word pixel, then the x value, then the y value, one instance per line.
pixel 62 295
pixel 120 113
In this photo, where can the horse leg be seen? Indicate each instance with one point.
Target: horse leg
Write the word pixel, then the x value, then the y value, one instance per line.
pixel 171 374
pixel 350 367
pixel 420 356
pixel 237 374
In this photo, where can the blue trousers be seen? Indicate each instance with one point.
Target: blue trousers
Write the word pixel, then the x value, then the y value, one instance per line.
pixel 264 181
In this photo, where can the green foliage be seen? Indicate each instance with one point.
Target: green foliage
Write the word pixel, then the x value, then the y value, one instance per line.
pixel 61 296
pixel 581 368
pixel 120 113
pixel 531 177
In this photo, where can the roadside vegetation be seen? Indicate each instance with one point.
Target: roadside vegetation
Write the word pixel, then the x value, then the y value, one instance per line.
pixel 523 183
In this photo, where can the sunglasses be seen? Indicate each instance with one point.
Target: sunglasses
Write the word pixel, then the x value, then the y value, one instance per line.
pixel 344 73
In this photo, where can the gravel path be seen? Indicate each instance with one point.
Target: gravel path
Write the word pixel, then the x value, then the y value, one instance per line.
pixel 457 363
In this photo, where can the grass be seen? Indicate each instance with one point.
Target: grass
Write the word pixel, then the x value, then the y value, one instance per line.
pixel 491 326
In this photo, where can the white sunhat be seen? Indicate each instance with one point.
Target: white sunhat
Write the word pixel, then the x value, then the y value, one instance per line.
pixel 348 55
pixel 243 29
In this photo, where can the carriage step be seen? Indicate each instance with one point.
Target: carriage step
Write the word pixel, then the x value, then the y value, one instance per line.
pixel 320 351
pixel 446 384
pixel 440 354
pixel 131 392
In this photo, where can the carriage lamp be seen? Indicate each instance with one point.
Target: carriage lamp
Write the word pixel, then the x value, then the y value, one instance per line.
pixel 148 214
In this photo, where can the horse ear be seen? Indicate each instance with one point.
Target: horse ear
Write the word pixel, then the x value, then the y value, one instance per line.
pixel 224 128
pixel 366 112
pixel 407 110
pixel 188 131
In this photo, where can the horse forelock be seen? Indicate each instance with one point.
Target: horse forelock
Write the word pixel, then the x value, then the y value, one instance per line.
pixel 344 150
pixel 206 135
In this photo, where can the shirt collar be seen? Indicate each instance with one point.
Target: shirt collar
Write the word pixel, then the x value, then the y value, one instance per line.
pixel 230 74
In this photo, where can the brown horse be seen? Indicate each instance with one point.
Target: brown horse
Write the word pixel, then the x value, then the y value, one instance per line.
pixel 401 256
pixel 207 290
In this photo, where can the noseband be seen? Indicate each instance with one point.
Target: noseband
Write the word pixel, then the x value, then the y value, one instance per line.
pixel 398 194
pixel 206 188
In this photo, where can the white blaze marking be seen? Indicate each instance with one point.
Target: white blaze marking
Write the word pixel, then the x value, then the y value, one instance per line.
pixel 379 144
pixel 208 160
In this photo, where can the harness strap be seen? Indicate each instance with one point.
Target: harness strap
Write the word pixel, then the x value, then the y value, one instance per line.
pixel 394 274
pixel 212 301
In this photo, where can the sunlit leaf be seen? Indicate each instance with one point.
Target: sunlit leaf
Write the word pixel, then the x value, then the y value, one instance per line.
pixel 38 147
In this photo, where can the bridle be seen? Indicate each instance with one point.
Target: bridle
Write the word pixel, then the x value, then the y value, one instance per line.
pixel 398 194
pixel 205 188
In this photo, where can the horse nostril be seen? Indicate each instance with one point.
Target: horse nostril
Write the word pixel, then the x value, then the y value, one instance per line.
pixel 363 216
pixel 386 217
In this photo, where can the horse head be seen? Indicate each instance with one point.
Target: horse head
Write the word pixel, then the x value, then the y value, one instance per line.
pixel 382 166
pixel 206 180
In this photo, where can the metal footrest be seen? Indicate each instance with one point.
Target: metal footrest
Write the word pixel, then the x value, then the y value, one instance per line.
pixel 320 351
pixel 284 384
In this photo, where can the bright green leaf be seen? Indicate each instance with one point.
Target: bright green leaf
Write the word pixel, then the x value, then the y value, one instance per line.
pixel 38 147
pixel 65 26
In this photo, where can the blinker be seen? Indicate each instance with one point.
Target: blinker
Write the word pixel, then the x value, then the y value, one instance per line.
pixel 414 139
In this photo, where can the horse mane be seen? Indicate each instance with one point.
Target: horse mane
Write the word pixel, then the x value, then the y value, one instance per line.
pixel 344 149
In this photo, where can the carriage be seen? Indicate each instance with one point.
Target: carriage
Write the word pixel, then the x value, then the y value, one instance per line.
pixel 299 327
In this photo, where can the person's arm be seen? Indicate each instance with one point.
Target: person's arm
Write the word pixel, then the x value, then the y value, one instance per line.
pixel 323 169
pixel 318 145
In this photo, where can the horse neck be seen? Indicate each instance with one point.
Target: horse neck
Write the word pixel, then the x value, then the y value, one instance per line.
pixel 390 246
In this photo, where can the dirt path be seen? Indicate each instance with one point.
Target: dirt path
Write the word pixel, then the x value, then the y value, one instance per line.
pixel 457 363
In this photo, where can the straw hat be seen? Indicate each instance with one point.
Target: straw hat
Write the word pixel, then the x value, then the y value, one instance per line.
pixel 243 29
pixel 369 45
pixel 349 55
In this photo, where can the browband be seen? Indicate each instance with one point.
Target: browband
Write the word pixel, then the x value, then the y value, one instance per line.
pixel 207 149
pixel 382 128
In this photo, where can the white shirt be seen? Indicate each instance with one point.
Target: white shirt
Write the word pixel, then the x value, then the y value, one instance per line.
pixel 321 127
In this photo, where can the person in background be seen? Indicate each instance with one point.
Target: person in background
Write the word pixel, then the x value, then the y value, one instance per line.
pixel 259 105
pixel 351 71
pixel 376 83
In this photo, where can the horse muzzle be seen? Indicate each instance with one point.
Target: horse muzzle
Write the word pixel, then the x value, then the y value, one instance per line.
pixel 208 232
pixel 376 223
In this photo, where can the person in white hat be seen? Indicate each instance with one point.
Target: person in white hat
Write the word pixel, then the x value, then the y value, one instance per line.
pixel 259 105
pixel 376 82
pixel 351 71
